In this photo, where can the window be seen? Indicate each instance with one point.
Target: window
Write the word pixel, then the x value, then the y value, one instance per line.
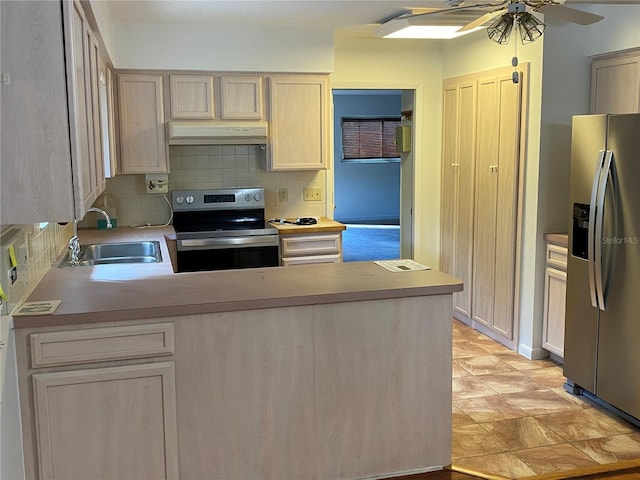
pixel 369 140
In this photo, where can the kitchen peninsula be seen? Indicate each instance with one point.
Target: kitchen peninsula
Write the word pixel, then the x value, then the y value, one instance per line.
pixel 312 371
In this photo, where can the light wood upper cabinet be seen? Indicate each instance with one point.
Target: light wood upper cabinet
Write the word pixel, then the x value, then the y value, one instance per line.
pixel 36 156
pixel 191 96
pixel 298 122
pixel 615 83
pixel 107 121
pixel 241 97
pixel 143 148
pixel 49 170
pixel 98 182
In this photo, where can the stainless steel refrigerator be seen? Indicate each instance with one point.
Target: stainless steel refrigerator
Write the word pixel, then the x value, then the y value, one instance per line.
pixel 602 330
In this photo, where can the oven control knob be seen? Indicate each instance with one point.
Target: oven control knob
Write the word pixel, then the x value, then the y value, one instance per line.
pixel 179 200
pixel 247 198
pixel 256 197
pixel 190 199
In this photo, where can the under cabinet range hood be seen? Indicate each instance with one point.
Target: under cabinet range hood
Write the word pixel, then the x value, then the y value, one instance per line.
pixel 217 133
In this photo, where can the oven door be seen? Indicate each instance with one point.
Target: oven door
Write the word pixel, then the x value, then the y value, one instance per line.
pixel 225 253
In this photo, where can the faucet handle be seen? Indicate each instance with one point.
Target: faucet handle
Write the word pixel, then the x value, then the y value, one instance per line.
pixel 74 250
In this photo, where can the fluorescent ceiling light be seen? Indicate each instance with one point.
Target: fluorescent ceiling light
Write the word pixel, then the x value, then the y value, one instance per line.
pixel 424 26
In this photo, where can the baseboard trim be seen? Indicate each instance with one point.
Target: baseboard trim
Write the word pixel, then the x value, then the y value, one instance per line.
pixel 532 353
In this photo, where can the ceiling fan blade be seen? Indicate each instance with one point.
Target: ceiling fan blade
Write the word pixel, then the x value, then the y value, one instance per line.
pixel 570 14
pixel 482 20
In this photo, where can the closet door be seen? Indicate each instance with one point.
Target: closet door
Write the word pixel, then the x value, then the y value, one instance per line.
pixel 495 227
pixel 484 248
pixel 506 212
pixel 457 187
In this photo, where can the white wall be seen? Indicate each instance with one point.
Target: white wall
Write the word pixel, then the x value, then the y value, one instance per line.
pixel 405 64
pixel 104 20
pixel 198 47
pixel 619 30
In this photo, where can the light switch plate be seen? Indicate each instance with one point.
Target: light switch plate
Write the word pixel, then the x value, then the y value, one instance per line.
pixel 312 194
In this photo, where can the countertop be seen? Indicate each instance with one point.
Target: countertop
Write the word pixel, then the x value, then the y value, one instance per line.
pixel 105 293
pixel 324 225
pixel 561 239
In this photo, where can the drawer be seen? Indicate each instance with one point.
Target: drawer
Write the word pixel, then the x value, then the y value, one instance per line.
pixel 101 344
pixel 556 256
pixel 310 244
pixel 289 261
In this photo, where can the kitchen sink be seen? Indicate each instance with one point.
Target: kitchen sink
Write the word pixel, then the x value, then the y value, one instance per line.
pixel 124 252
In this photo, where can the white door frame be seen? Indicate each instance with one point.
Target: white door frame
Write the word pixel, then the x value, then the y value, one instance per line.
pixel 410 170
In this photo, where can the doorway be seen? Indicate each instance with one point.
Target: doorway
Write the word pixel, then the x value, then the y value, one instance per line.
pixel 368 193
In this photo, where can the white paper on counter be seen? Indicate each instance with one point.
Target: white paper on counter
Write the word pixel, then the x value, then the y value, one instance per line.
pixel 403 265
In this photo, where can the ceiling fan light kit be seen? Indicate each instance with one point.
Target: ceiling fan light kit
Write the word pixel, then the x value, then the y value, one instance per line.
pixel 512 14
pixel 500 30
pixel 530 28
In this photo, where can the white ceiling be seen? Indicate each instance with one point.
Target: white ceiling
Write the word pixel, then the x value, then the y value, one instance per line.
pixel 350 15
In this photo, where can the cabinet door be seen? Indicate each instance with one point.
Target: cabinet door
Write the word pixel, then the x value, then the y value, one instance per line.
pixel 98 178
pixel 108 423
pixel 299 123
pixel 107 120
pixel 35 157
pixel 555 289
pixel 142 137
pixel 82 142
pixel 241 97
pixel 191 96
pixel 615 84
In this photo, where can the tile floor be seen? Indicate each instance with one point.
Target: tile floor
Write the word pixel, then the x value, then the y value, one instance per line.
pixel 512 417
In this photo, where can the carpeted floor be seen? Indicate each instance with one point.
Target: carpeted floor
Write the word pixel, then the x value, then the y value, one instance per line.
pixel 370 242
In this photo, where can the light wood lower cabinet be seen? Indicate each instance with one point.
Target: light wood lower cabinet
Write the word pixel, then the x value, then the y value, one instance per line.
pixel 311 248
pixel 99 402
pixel 555 290
pixel 107 423
pixel 347 390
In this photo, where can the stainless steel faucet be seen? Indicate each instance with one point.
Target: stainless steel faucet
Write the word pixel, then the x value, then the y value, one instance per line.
pixel 103 213
pixel 74 241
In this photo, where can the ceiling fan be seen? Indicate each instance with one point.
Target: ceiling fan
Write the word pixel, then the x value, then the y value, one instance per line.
pixel 504 15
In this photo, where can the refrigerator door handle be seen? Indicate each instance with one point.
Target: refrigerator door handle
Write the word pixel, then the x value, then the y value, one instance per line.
pixel 591 233
pixel 602 189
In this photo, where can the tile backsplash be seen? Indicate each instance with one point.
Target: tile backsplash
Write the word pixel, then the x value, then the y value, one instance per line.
pixel 45 242
pixel 215 166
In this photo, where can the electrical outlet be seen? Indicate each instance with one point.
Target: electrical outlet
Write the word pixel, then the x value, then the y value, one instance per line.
pixel 312 194
pixel 156 183
pixel 283 195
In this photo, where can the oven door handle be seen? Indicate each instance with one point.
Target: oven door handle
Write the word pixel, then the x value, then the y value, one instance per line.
pixel 221 242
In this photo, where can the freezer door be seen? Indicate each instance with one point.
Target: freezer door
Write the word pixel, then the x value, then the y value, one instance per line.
pixel 618 373
pixel 588 140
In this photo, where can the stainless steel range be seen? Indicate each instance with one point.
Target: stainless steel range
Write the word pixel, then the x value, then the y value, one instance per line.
pixel 221 229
